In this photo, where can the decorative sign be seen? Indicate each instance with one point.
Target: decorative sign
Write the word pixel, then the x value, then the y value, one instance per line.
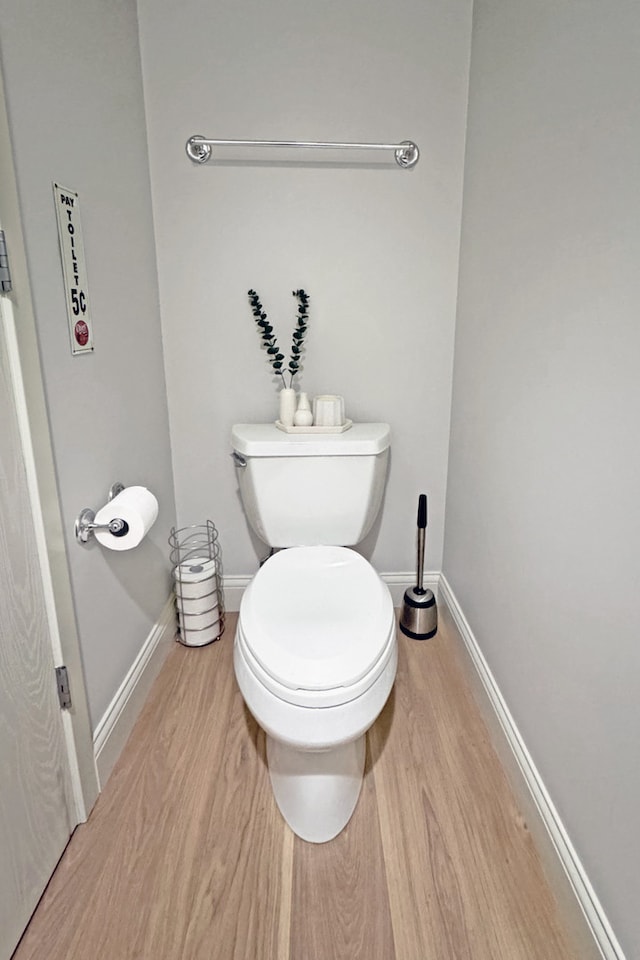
pixel 73 269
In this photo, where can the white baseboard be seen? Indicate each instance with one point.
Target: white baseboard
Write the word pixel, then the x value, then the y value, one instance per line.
pixel 399 582
pixel 579 904
pixel 234 587
pixel 114 728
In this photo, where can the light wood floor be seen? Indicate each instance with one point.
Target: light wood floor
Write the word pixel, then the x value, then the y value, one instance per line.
pixel 185 856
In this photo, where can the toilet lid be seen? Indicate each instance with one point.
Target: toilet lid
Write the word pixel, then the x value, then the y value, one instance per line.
pixel 316 618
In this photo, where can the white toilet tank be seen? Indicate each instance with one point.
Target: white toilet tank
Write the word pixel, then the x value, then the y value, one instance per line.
pixel 306 489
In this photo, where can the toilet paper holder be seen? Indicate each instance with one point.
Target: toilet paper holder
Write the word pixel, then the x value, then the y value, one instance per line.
pixel 85 524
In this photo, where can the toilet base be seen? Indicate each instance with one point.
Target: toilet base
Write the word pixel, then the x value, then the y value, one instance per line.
pixel 316 790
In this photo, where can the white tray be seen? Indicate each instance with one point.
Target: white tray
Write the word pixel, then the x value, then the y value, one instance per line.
pixel 340 429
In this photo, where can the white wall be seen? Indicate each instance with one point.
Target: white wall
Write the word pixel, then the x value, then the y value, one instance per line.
pixel 375 247
pixel 74 100
pixel 543 523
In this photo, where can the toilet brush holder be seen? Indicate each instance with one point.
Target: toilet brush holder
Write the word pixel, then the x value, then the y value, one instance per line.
pixel 419 614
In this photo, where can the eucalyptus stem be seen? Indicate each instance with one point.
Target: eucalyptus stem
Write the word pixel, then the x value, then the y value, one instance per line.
pixel 299 332
pixel 269 340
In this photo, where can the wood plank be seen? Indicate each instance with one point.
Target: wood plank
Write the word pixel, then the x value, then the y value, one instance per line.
pixel 340 903
pixel 182 854
pixel 464 878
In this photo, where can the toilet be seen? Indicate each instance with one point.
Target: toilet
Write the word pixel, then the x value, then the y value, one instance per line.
pixel 315 651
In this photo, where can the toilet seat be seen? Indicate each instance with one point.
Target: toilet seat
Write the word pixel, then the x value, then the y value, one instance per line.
pixel 316 625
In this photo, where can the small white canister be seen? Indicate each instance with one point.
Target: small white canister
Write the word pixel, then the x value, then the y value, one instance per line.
pixel 328 411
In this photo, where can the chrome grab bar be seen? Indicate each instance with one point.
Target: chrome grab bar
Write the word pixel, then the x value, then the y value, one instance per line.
pixel 199 149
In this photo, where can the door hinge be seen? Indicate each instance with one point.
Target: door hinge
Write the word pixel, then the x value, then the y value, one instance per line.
pixel 64 693
pixel 5 273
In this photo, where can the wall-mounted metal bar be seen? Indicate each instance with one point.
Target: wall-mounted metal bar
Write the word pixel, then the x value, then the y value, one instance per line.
pixel 199 149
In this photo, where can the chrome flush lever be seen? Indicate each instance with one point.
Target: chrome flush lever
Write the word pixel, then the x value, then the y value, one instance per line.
pixel 238 460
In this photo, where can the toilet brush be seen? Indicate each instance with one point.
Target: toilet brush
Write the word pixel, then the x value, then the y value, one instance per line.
pixel 419 614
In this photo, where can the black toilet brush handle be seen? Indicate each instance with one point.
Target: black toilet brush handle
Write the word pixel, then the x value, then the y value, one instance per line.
pixel 422 511
pixel 422 523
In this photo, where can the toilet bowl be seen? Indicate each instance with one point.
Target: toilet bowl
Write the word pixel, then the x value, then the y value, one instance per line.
pixel 315 658
pixel 315 649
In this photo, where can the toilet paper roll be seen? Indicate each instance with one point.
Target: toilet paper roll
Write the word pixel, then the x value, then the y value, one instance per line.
pixel 198 621
pixel 193 605
pixel 199 638
pixel 138 507
pixel 195 579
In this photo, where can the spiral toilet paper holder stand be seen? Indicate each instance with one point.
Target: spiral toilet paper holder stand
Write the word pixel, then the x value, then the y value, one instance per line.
pixel 86 525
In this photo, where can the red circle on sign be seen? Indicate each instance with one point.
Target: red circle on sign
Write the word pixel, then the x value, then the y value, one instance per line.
pixel 81 331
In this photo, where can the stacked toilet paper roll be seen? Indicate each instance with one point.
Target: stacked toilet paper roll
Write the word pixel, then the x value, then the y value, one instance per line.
pixel 138 507
pixel 196 587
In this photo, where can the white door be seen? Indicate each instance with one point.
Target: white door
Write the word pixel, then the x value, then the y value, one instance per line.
pixel 37 810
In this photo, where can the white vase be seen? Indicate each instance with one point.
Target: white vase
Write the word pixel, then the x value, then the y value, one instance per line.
pixel 287 406
pixel 303 416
